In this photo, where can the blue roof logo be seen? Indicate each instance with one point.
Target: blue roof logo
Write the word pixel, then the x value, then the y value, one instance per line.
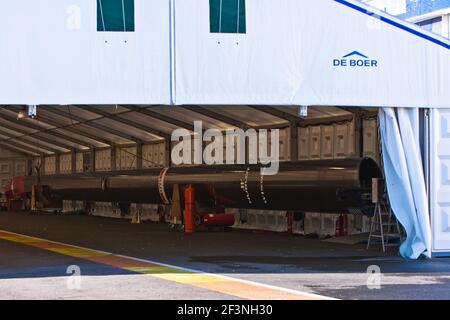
pixel 355 53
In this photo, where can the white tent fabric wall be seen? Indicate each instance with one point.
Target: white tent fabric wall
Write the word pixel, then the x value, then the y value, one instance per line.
pixel 405 178
pixel 302 52
pixel 293 52
pixel 52 53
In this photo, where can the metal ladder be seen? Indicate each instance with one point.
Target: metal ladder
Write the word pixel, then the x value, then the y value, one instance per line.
pixel 387 229
pixel 384 230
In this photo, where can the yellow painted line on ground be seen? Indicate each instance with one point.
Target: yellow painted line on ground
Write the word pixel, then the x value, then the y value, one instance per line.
pixel 213 282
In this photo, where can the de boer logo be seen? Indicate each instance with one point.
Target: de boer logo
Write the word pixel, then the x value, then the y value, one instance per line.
pixel 355 59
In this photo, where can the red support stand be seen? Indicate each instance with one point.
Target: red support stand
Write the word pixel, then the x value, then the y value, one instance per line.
pixel 189 209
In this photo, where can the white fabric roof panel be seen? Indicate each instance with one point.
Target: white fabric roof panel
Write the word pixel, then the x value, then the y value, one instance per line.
pixel 65 141
pixel 189 117
pixel 287 52
pixel 81 127
pixel 151 122
pixel 316 113
pixel 251 116
pixel 83 138
pixel 53 54
pixel 135 132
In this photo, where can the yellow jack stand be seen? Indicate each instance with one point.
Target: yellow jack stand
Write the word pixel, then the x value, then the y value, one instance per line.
pixel 136 219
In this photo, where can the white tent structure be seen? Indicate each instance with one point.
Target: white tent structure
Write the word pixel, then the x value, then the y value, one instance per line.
pixel 249 52
pixel 293 52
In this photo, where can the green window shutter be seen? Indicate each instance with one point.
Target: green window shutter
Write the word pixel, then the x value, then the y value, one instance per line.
pixel 115 15
pixel 227 16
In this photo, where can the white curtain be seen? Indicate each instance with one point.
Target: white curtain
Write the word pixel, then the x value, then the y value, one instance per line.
pixel 399 128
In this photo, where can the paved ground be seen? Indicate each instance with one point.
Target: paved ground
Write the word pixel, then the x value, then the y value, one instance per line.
pixel 30 269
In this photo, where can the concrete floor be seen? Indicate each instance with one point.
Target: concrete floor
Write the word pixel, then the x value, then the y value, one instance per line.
pixel 282 261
